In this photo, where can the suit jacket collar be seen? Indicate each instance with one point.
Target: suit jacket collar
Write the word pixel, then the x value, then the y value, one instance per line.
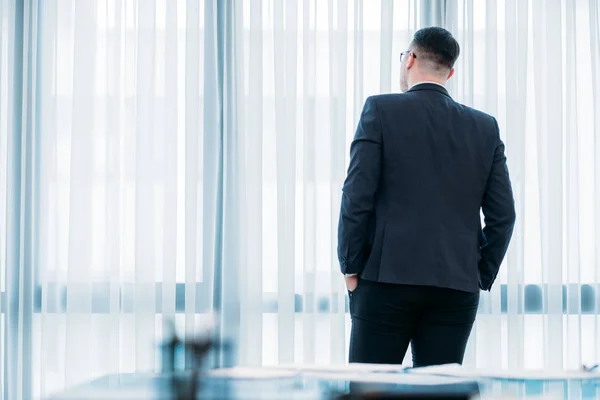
pixel 429 86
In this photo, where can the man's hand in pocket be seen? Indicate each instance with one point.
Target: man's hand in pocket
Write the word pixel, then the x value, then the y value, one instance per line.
pixel 351 282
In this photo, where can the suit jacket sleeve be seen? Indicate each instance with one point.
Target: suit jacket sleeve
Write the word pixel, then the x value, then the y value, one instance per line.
pixel 499 217
pixel 359 191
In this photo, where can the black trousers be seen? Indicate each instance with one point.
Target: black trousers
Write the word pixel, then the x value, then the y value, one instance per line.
pixel 436 322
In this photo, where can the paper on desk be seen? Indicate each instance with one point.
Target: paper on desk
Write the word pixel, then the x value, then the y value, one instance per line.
pixel 341 368
pixel 498 373
pixel 386 377
pixel 353 372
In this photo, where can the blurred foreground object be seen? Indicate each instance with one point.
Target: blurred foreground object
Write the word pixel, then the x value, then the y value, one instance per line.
pixel 187 360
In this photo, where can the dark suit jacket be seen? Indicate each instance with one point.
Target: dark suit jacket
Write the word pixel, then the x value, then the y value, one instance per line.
pixel 422 167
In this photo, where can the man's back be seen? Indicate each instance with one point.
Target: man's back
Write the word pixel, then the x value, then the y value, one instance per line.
pixel 436 159
pixel 410 242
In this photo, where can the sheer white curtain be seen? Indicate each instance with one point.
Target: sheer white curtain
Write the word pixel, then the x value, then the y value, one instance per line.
pixel 536 66
pixel 120 165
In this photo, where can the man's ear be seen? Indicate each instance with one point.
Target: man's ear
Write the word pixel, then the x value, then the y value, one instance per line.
pixel 451 74
pixel 411 60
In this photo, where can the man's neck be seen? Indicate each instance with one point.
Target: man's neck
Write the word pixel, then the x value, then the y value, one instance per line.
pixel 427 81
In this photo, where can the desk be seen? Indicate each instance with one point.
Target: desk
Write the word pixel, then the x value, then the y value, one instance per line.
pixel 301 386
pixel 527 389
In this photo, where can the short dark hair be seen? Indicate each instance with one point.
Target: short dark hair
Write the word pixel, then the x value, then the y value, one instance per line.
pixel 437 45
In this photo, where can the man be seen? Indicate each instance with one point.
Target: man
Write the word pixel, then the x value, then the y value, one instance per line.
pixel 410 242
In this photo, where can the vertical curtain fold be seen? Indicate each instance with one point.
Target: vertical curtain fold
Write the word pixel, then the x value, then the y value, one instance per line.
pixel 593 18
pixel 284 16
pixel 309 177
pixel 338 73
pixel 22 195
pixel 232 246
pixel 252 266
pixel 145 200
pixel 549 103
pixel 433 12
pixel 516 42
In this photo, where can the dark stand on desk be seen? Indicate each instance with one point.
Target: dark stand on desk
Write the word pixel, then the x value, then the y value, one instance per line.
pixel 185 384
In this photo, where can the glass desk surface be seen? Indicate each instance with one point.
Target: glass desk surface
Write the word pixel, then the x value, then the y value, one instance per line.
pixel 301 386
